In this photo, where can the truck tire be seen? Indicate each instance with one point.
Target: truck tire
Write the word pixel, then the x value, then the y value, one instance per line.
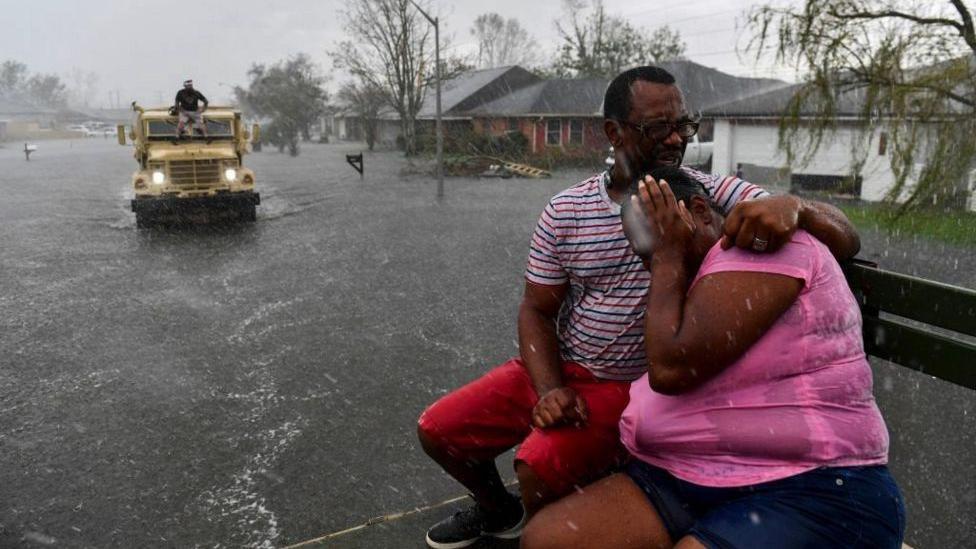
pixel 143 221
pixel 249 213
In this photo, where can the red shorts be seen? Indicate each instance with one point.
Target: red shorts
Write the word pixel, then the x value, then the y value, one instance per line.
pixel 494 413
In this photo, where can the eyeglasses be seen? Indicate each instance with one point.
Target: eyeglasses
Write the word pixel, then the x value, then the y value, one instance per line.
pixel 657 131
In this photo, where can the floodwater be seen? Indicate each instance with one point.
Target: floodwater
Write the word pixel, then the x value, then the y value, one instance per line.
pixel 257 385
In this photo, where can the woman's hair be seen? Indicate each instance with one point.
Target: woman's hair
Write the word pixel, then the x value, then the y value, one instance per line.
pixel 682 185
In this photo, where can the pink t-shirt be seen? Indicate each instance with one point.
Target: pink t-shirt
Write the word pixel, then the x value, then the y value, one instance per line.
pixel 798 399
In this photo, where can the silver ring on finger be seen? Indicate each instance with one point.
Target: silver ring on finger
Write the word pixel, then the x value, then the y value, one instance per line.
pixel 759 244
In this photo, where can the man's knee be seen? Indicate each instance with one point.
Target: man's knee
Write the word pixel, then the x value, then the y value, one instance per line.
pixel 429 436
pixel 434 430
pixel 429 440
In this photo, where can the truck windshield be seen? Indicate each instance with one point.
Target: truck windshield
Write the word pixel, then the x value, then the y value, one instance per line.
pixel 166 129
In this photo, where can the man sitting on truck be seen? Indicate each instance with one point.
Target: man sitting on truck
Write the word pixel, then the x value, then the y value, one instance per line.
pixel 188 108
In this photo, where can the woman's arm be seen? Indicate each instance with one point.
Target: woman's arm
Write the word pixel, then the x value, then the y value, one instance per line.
pixel 690 340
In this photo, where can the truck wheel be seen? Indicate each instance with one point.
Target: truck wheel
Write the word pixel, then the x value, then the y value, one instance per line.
pixel 143 221
pixel 249 213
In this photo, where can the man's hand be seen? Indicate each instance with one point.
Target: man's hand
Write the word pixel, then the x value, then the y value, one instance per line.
pixel 559 406
pixel 762 225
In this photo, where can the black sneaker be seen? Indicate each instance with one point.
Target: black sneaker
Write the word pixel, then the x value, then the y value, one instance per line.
pixel 472 523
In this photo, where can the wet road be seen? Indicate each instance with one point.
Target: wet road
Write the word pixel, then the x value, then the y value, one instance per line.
pixel 257 385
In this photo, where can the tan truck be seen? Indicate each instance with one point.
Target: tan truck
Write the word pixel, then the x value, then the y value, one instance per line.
pixel 194 177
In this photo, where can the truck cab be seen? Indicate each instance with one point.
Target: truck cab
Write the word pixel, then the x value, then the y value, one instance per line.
pixel 193 176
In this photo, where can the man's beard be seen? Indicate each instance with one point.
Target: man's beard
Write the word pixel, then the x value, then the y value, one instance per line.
pixel 634 164
pixel 661 156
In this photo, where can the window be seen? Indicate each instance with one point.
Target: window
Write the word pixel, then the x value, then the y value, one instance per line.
pixel 554 130
pixel 575 132
pixel 166 129
pixel 513 124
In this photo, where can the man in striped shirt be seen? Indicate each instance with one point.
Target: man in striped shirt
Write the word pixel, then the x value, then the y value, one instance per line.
pixel 581 321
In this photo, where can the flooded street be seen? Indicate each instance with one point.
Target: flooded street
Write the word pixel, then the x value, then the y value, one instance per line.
pixel 258 385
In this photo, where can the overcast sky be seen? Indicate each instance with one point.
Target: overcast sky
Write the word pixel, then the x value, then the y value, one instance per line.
pixel 143 50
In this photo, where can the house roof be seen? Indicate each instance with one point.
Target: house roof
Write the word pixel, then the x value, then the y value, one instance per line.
pixel 473 88
pixel 514 91
pixel 559 96
pixel 702 87
pixel 775 103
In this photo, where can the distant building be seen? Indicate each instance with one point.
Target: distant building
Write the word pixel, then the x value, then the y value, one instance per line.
pixel 567 113
pixel 747 133
pixel 558 113
pixel 563 114
pixel 22 118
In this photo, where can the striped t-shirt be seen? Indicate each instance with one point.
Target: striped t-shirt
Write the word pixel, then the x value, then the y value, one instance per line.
pixel 580 240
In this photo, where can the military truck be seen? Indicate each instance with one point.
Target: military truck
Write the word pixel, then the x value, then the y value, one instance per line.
pixel 193 177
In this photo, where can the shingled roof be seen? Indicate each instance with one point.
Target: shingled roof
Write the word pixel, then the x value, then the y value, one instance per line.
pixel 704 87
pixel 514 91
pixel 775 102
pixel 559 96
pixel 474 88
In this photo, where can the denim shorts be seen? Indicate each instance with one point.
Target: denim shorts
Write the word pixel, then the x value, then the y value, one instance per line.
pixel 843 507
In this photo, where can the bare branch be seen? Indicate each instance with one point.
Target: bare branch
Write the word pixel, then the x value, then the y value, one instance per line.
pixel 968 33
pixel 895 14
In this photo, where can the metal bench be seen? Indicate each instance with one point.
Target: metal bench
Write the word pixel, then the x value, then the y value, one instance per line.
pixel 916 323
pixel 920 324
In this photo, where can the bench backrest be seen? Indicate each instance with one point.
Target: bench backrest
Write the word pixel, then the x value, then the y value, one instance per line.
pixel 920 324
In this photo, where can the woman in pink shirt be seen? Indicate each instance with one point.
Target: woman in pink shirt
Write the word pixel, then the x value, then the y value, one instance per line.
pixel 755 425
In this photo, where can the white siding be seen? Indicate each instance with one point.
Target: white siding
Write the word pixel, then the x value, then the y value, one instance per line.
pixel 756 143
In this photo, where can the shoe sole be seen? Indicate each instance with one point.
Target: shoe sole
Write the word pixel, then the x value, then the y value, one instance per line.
pixel 454 545
pixel 511 533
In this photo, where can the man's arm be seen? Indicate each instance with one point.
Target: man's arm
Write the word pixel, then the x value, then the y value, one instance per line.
pixel 177 103
pixel 539 349
pixel 752 213
pixel 829 225
pixel 205 102
pixel 774 219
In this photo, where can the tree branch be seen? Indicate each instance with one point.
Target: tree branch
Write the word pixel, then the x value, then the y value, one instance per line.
pixel 896 14
pixel 967 30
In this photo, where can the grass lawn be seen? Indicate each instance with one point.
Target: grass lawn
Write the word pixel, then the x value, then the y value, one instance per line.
pixel 954 227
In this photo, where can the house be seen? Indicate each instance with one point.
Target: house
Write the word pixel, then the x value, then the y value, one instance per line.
pixel 564 114
pixel 343 123
pixel 23 118
pixel 567 113
pixel 746 133
pixel 561 113
pixel 457 95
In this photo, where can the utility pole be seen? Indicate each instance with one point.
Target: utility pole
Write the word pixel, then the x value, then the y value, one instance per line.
pixel 440 129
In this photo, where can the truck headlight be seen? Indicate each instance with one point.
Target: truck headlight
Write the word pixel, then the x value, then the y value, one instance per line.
pixel 159 177
pixel 230 174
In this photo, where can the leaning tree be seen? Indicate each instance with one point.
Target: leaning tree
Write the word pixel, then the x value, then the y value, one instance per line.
pixel 910 65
